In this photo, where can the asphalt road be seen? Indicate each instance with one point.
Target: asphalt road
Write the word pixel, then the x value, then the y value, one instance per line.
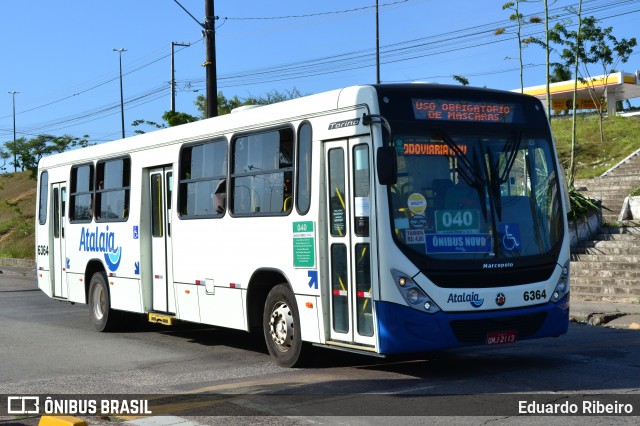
pixel 48 347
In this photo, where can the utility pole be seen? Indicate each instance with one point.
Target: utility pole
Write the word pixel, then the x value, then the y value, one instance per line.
pixel 377 46
pixel 210 63
pixel 209 34
pixel 173 76
pixel 121 94
pixel 15 156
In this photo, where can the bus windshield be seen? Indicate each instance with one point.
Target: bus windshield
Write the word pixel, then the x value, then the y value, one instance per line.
pixel 476 195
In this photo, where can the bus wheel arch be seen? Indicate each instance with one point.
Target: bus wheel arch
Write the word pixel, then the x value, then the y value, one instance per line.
pixel 260 284
pixel 93 266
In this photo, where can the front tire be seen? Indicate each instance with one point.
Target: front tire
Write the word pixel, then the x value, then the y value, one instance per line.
pixel 103 318
pixel 281 325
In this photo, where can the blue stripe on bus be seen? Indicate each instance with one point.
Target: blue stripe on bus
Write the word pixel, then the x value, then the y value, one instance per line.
pixel 405 330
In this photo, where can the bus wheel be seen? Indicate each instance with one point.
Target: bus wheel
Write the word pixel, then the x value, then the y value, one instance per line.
pixel 281 324
pixel 102 317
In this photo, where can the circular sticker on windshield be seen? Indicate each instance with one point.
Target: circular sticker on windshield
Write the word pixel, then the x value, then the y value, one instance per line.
pixel 417 203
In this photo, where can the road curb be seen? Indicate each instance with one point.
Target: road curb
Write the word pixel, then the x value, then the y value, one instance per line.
pixel 161 421
pixel 61 421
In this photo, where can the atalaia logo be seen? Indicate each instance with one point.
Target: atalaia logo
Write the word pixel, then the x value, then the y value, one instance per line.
pixel 102 242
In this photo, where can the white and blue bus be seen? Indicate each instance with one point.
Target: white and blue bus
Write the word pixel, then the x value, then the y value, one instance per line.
pixel 380 219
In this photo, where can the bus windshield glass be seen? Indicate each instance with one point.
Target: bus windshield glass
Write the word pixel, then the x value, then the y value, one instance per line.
pixel 476 194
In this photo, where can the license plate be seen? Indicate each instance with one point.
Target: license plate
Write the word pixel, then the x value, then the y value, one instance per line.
pixel 501 337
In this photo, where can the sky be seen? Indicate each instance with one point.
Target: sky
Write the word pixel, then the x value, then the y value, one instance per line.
pixel 59 57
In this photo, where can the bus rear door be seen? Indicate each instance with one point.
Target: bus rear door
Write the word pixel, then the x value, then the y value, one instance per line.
pixel 160 190
pixel 349 242
pixel 57 240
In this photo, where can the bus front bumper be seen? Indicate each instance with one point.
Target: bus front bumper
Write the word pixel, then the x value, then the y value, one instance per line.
pixel 405 330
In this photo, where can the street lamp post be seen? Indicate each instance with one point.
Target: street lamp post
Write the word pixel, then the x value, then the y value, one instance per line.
pixel 15 157
pixel 121 94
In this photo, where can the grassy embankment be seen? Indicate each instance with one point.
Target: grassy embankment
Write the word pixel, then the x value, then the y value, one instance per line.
pixel 17 215
pixel 622 137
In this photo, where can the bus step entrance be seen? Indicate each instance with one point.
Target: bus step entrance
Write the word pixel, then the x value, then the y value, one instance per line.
pixel 158 318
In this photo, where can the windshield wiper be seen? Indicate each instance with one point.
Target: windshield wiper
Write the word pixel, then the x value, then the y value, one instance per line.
pixel 512 153
pixel 468 171
pixel 497 179
pixel 494 184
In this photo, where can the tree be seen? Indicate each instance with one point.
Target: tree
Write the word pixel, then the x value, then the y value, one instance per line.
pixel 592 46
pixel 12 150
pixel 560 73
pixel 172 119
pixel 29 152
pixel 5 156
pixel 574 122
pixel 226 105
pixel 520 20
pixel 547 51
pixel 461 79
pixel 44 145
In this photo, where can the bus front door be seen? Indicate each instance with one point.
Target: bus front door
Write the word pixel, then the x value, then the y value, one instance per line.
pixel 160 189
pixel 350 286
pixel 57 243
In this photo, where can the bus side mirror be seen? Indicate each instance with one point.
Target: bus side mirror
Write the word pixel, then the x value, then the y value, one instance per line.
pixel 387 165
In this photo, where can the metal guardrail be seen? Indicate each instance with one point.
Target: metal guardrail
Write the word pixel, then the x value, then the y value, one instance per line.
pixel 18 263
pixel 633 154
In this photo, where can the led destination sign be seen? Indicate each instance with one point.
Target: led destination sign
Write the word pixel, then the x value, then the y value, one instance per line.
pixel 462 110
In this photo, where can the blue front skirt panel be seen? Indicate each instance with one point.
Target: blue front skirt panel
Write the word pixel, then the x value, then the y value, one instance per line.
pixel 405 330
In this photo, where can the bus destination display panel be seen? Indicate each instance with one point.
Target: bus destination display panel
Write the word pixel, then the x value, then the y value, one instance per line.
pixel 464 110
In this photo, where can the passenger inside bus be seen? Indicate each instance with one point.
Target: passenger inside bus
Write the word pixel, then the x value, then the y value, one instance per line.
pixel 220 196
pixel 287 193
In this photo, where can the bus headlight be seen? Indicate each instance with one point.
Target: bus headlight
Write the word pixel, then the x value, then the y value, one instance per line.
pixel 413 294
pixel 562 288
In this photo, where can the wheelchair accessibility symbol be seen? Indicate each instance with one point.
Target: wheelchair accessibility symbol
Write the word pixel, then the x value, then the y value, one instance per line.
pixel 510 237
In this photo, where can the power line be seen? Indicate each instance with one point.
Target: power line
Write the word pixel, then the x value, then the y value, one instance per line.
pixel 311 15
pixel 467 38
pixel 104 82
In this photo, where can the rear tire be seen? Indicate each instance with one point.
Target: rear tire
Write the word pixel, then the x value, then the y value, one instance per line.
pixel 103 318
pixel 281 325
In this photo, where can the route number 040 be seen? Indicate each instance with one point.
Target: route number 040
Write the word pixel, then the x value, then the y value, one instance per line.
pixel 457 219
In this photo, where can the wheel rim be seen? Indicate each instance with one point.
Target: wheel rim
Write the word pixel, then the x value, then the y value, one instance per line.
pixel 281 326
pixel 99 302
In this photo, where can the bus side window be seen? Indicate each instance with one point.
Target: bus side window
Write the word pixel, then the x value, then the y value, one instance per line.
pixel 81 193
pixel 262 172
pixel 337 205
pixel 44 193
pixel 303 187
pixel 362 203
pixel 112 192
pixel 203 180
